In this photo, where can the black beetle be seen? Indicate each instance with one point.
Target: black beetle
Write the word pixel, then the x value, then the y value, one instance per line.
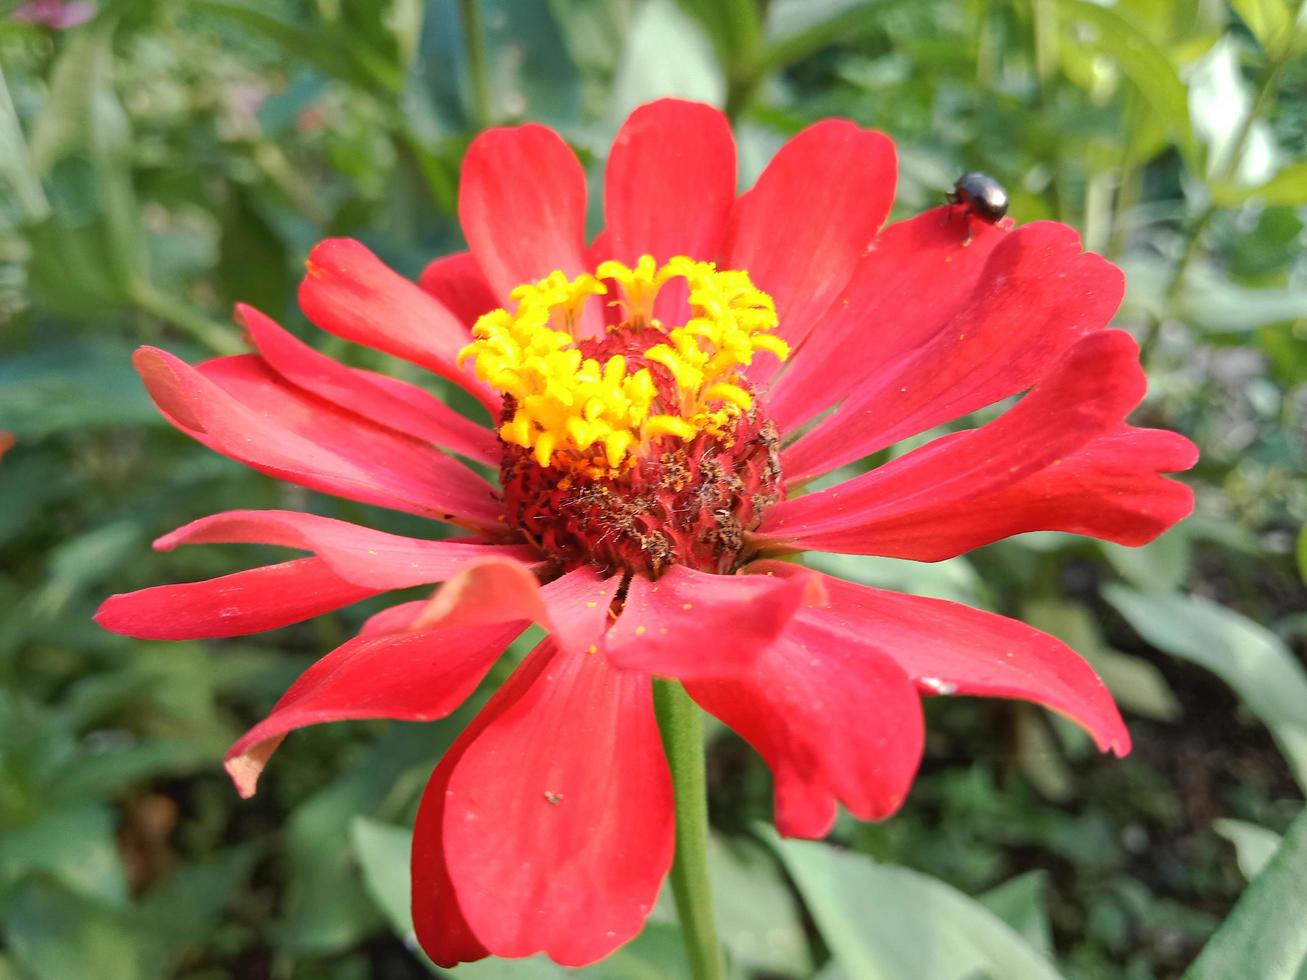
pixel 982 196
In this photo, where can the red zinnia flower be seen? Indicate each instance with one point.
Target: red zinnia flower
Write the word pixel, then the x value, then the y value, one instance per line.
pixel 651 446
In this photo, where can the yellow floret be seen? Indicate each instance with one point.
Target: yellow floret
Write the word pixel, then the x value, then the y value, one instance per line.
pixel 575 413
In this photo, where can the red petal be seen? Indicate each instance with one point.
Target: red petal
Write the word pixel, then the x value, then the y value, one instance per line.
pixel 1110 489
pixel 242 409
pixel 573 608
pixel 549 825
pixel 460 286
pixel 234 605
pixel 736 616
pixel 1087 395
pixel 1038 295
pixel 350 292
pixel 802 228
pixel 386 401
pixel 949 648
pixel 835 718
pixel 670 182
pixel 404 674
pixel 923 259
pixel 522 206
pixel 368 558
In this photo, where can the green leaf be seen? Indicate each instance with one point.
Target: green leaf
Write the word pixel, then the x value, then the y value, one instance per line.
pixel 1270 21
pixel 954 578
pixel 56 935
pixel 74 845
pixel 884 923
pixel 1136 684
pixel 1302 553
pixel 1288 188
pixel 351 62
pixel 82 120
pixel 1020 903
pixel 645 72
pixel 1254 846
pixel 1264 935
pixel 72 385
pixel 382 851
pixel 758 918
pixel 1247 656
pixel 733 26
pixel 1146 65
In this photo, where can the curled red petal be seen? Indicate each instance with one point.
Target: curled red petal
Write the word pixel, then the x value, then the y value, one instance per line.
pixel 803 226
pixel 241 408
pixel 351 293
pixel 670 182
pixel 368 558
pixel 395 404
pixel 949 648
pixel 1038 295
pixel 389 672
pixel 1086 396
pixel 461 287
pixel 245 602
pixel 835 718
pixel 548 827
pixel 735 616
pixel 572 608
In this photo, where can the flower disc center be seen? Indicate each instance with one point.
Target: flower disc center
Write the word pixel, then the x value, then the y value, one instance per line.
pixel 641 447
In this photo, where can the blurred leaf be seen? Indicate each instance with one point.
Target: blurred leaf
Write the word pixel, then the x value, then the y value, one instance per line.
pixel 1146 65
pixel 1254 846
pixel 1247 656
pixel 57 935
pixel 1220 100
pixel 645 72
pixel 1302 554
pixel 1020 903
pixel 1209 300
pixel 796 29
pixel 72 384
pixel 83 116
pixel 733 27
pixel 1160 564
pixel 345 57
pixel 882 921
pixel 1288 187
pixel 184 906
pixel 1040 757
pixel 1270 21
pixel 74 845
pixel 253 261
pixel 758 919
pixel 383 854
pixel 954 578
pixel 1136 684
pixel 1264 935
pixel 326 907
pixel 529 72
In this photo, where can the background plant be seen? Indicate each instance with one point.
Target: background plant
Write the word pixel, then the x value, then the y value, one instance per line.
pixel 163 160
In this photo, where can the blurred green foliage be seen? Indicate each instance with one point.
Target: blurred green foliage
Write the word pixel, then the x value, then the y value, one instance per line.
pixel 164 160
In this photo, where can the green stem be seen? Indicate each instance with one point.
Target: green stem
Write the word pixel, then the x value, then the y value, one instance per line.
pixel 215 336
pixel 682 727
pixel 474 43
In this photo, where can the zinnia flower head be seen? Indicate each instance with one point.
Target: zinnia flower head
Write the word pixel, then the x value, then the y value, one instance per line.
pixel 656 401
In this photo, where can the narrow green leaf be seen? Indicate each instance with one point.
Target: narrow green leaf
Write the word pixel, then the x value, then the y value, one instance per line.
pixel 1302 553
pixel 1270 21
pixel 1264 935
pixel 1254 846
pixel 884 923
pixel 1146 65
pixel 1020 903
pixel 1247 656
pixel 1288 187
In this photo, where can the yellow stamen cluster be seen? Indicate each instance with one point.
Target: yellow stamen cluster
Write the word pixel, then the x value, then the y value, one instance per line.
pixel 578 414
